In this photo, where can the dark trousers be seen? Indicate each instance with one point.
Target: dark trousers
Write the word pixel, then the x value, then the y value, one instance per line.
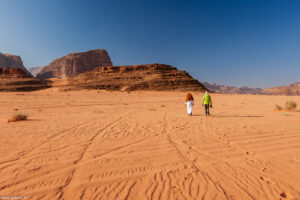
pixel 206 106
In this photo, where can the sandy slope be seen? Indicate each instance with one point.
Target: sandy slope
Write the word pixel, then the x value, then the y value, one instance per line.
pixel 110 145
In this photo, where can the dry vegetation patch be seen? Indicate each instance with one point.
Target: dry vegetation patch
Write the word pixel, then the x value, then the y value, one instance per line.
pixel 18 117
pixel 289 106
pixel 278 107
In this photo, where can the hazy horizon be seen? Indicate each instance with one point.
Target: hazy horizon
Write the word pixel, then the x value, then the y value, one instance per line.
pixel 234 43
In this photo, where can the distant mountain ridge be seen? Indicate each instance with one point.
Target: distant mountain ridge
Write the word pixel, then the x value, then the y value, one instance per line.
pixel 231 89
pixel 290 90
pixel 35 70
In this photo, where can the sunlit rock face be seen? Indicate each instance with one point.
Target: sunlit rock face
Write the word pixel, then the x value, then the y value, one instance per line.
pixel 75 63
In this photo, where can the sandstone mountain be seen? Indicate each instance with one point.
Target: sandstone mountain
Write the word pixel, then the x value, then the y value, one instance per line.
pixel 158 77
pixel 75 63
pixel 12 61
pixel 35 70
pixel 231 90
pixel 14 79
pixel 292 89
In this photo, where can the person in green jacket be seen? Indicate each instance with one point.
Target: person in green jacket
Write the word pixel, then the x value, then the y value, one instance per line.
pixel 207 102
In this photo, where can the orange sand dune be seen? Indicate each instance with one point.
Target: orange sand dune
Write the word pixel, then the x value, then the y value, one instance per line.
pixel 142 145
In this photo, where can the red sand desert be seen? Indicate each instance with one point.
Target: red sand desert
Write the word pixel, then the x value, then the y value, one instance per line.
pixel 142 145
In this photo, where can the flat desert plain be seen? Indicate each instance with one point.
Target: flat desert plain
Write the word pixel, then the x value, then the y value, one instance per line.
pixel 142 145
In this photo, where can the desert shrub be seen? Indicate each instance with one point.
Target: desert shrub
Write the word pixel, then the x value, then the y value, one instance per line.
pixel 290 105
pixel 278 107
pixel 18 117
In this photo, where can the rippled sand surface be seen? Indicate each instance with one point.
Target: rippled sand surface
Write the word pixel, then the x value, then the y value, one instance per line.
pixel 142 145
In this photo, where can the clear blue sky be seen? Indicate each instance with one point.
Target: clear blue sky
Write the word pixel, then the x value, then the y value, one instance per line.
pixel 242 42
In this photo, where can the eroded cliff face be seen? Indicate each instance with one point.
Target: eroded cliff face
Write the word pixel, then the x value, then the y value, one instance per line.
pixel 292 89
pixel 12 61
pixel 14 79
pixel 75 63
pixel 155 77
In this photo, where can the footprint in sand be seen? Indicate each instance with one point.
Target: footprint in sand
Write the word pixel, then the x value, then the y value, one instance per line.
pixel 250 159
pixel 284 195
pixel 250 153
pixel 266 180
pixel 266 170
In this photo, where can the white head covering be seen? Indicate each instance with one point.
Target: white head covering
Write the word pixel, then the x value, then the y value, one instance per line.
pixel 206 92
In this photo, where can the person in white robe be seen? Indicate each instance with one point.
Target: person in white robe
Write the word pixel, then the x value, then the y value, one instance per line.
pixel 189 102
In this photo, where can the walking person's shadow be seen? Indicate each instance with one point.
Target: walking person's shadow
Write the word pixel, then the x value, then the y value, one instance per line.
pixel 220 116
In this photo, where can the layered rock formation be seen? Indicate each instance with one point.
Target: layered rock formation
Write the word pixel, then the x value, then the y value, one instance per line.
pixel 231 90
pixel 14 79
pixel 12 61
pixel 75 63
pixel 6 73
pixel 158 77
pixel 35 70
pixel 292 89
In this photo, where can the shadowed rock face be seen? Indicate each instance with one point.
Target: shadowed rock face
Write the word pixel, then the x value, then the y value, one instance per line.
pixel 12 61
pixel 14 79
pixel 75 63
pixel 155 77
pixel 292 89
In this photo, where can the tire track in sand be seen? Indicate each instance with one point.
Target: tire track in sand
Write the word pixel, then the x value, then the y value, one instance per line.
pixel 76 162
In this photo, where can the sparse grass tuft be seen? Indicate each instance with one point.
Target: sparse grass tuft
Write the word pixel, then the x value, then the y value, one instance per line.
pixel 18 117
pixel 290 105
pixel 278 107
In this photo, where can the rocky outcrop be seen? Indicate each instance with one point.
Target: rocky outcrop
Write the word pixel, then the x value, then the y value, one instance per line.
pixel 231 90
pixel 35 70
pixel 75 63
pixel 291 90
pixel 14 79
pixel 155 77
pixel 6 73
pixel 12 61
